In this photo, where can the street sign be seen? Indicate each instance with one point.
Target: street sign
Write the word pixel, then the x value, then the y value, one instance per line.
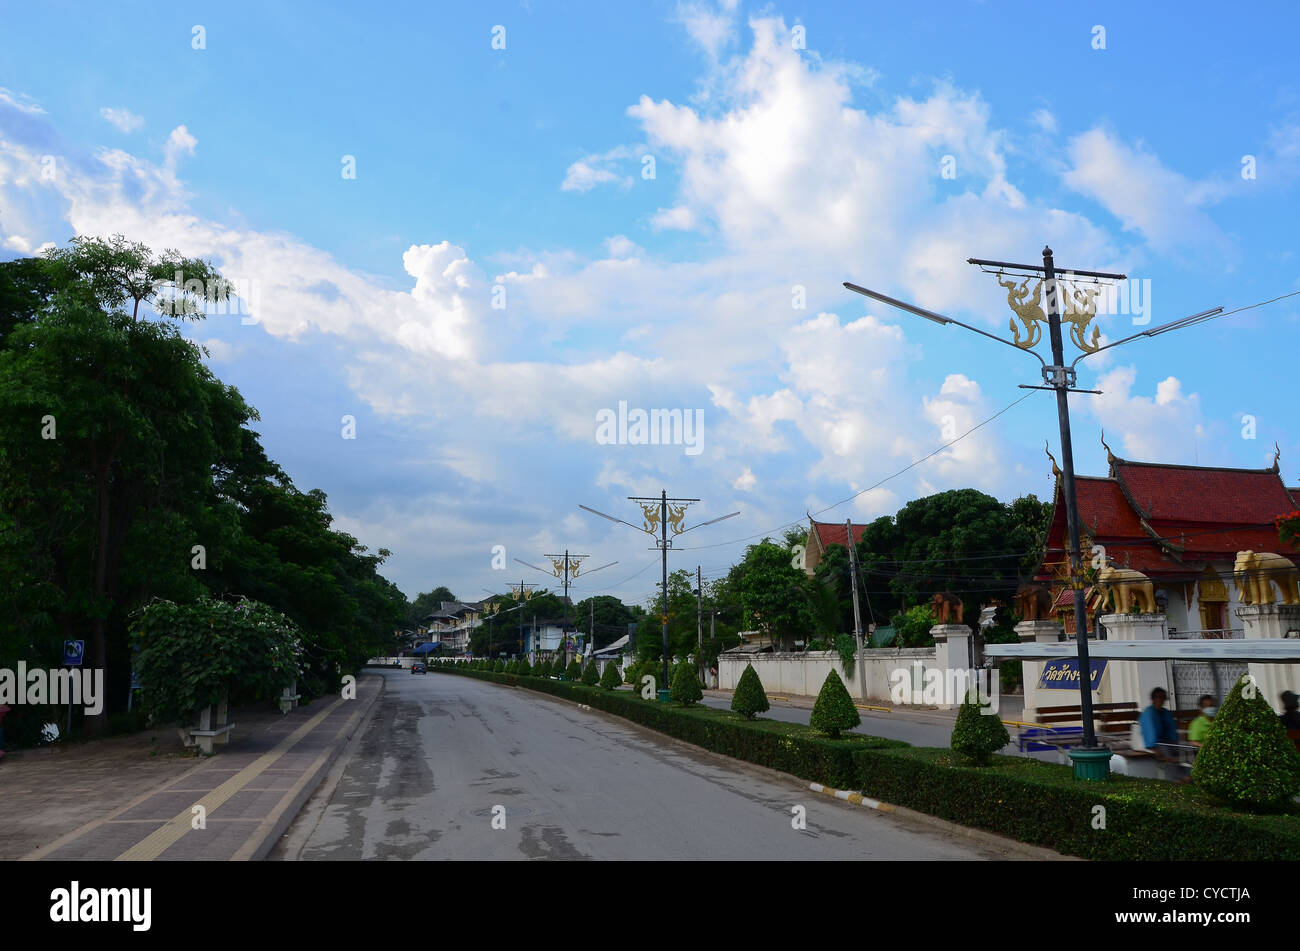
pixel 1063 674
pixel 73 652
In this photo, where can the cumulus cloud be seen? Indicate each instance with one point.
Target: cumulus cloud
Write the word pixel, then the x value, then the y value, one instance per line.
pixel 1163 427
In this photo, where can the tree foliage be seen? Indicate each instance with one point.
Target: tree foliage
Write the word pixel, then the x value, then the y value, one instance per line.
pixel 834 710
pixel 129 472
pixel 978 733
pixel 686 685
pixel 1247 759
pixel 749 698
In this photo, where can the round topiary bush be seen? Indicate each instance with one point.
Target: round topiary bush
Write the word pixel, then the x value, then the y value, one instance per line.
pixel 611 678
pixel 1247 760
pixel 574 671
pixel 499 667
pixel 750 698
pixel 978 732
pixel 525 668
pixel 834 709
pixel 590 675
pixel 686 685
pixel 543 669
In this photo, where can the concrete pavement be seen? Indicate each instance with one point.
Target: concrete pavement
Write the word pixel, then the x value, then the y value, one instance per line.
pixel 247 794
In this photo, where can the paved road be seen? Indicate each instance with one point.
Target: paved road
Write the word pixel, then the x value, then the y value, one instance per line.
pixel 440 752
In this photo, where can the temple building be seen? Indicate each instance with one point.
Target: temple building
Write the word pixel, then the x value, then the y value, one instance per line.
pixel 1181 526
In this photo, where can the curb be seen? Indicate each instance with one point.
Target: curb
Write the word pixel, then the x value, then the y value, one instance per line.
pixel 254 850
pixel 853 797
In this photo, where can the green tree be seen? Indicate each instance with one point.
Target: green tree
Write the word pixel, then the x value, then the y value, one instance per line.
pixel 978 732
pixel 749 698
pixel 425 604
pixel 834 710
pixel 686 685
pixel 574 671
pixel 590 675
pixel 611 679
pixel 776 593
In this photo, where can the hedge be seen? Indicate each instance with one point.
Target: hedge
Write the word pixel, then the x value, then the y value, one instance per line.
pixel 1042 804
pixel 776 744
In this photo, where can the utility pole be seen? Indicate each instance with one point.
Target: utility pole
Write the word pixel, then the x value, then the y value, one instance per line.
pixel 658 514
pixel 1091 762
pixel 699 622
pixel 857 616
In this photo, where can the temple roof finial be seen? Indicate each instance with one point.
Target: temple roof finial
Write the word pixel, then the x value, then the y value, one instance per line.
pixel 1056 470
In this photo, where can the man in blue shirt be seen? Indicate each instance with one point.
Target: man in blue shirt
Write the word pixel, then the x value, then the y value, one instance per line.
pixel 1157 723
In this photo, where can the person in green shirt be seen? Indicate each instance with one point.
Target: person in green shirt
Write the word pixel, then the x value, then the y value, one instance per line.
pixel 1200 728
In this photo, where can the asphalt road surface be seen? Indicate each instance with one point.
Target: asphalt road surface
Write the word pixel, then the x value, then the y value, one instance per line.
pixel 444 758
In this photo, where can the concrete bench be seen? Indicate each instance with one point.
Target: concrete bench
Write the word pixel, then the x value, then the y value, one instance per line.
pixel 212 728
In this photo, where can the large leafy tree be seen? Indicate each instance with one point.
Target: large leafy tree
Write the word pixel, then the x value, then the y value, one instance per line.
pixel 128 473
pixel 424 604
pixel 776 593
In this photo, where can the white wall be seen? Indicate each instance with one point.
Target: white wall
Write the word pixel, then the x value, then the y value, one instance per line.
pixel 802 674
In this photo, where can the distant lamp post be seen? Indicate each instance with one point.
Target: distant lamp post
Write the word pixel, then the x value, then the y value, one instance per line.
pixel 1091 761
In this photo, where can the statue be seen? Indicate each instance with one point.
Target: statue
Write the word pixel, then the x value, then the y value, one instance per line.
pixel 1034 602
pixel 947 608
pixel 1257 571
pixel 1124 584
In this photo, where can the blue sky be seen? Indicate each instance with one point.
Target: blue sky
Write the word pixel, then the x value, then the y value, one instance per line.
pixel 775 167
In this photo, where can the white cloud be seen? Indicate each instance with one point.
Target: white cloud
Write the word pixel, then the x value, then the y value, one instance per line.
pixel 179 143
pixel 1165 207
pixel 746 481
pixel 594 170
pixel 124 119
pixel 1164 428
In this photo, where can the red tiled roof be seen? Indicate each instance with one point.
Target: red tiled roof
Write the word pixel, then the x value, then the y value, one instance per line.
pixel 832 533
pixel 1208 513
pixel 1192 494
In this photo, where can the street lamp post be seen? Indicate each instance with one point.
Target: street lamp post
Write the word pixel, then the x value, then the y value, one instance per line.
pixel 1091 761
pixel 659 514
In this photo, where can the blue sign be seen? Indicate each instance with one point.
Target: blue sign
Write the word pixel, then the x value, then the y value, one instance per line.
pixel 73 652
pixel 1064 674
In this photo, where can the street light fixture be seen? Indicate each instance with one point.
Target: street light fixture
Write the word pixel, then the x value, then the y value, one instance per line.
pixel 1091 761
pixel 659 514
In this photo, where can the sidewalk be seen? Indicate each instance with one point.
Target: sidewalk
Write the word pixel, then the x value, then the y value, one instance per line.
pixel 141 807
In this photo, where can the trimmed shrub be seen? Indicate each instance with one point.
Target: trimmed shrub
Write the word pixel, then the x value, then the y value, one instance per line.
pixel 611 678
pixel 1042 804
pixel 1247 760
pixel 750 698
pixel 525 668
pixel 834 709
pixel 574 671
pixel 544 669
pixel 590 675
pixel 978 735
pixel 686 685
pixel 499 667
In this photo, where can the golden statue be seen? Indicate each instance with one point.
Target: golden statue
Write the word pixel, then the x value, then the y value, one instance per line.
pixel 677 515
pixel 1028 309
pixel 1080 308
pixel 651 512
pixel 1123 585
pixel 1257 571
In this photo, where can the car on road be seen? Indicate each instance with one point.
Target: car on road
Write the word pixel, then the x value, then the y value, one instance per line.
pixel 419 669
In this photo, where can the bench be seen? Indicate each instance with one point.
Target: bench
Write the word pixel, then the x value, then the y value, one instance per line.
pixel 212 728
pixel 289 699
pixel 1112 721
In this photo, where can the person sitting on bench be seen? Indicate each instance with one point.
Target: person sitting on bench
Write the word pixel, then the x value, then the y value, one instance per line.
pixel 1157 724
pixel 1200 727
pixel 1291 710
